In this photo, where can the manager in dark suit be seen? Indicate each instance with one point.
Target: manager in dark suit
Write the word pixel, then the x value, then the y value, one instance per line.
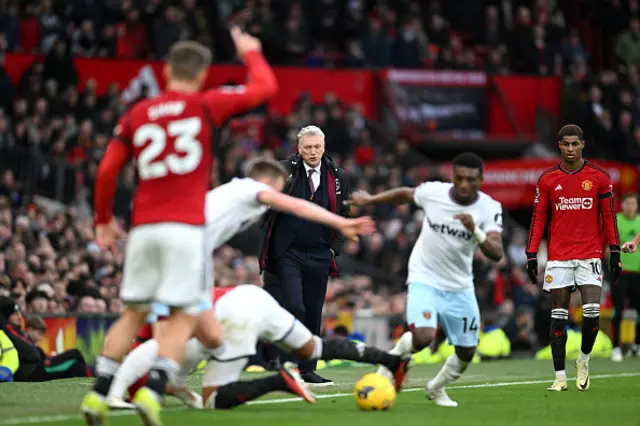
pixel 299 256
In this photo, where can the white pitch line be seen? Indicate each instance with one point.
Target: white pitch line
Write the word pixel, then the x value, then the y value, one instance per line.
pixel 474 386
pixel 66 417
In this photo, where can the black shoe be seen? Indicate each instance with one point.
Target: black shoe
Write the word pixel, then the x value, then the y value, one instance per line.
pixel 313 379
pixel 274 365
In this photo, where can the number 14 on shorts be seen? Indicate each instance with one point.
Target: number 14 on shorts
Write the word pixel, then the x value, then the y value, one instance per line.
pixel 469 325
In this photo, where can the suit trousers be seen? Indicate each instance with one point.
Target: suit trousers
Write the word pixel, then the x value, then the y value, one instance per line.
pixel 299 284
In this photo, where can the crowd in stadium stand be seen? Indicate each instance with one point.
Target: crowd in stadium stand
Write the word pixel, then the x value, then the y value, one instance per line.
pixel 48 260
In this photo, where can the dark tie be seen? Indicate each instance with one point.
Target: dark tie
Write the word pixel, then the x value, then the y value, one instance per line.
pixel 311 185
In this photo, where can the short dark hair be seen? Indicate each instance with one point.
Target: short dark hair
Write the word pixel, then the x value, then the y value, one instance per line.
pixel 470 160
pixel 37 323
pixel 187 59
pixel 570 130
pixel 629 195
pixel 266 167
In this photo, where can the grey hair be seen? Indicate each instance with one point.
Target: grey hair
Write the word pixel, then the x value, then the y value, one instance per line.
pixel 310 130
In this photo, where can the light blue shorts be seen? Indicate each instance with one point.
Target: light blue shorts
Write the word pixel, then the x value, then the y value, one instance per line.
pixel 159 310
pixel 457 312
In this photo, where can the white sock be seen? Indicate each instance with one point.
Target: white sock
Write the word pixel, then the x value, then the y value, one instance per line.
pixel 561 373
pixel 583 357
pixel 450 371
pixel 404 345
pixel 194 354
pixel 134 366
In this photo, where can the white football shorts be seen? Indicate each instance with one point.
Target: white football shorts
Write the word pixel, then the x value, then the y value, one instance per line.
pixel 572 273
pixel 248 314
pixel 166 263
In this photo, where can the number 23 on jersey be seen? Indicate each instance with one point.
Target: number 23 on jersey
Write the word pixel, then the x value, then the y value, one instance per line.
pixel 185 157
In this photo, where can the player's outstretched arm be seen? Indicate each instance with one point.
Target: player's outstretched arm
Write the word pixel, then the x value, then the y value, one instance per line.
pixel 261 84
pixel 350 228
pixel 400 195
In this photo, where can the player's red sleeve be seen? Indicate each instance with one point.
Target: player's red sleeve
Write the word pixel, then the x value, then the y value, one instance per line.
pixel 224 102
pixel 540 216
pixel 607 212
pixel 114 159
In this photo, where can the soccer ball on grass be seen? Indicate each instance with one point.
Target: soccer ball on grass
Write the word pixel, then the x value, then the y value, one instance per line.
pixel 374 392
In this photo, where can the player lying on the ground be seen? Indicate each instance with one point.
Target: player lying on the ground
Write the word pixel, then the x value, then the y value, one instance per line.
pixel 232 207
pixel 576 197
pixel 458 218
pixel 249 314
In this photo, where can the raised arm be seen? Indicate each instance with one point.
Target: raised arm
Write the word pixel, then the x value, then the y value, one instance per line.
pixel 261 83
pixel 350 228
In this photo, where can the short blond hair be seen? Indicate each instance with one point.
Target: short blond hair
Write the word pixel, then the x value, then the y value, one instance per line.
pixel 188 59
pixel 266 167
pixel 310 130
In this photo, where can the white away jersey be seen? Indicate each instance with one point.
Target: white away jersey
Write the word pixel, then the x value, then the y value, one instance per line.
pixel 443 254
pixel 231 208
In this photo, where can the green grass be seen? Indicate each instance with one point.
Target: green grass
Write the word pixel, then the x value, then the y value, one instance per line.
pixel 502 393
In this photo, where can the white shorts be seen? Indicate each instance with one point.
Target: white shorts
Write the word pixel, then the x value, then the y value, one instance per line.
pixel 249 314
pixel 572 273
pixel 166 263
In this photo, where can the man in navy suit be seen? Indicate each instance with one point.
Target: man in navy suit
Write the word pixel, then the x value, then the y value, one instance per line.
pixel 299 256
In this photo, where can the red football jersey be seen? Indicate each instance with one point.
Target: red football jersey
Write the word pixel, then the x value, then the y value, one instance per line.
pixel 577 205
pixel 170 140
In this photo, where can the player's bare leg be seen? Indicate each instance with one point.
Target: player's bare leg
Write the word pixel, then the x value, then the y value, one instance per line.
pixel 409 343
pixel 209 331
pixel 171 345
pixel 116 345
pixel 590 295
pixel 451 371
pixel 560 299
pixel 328 349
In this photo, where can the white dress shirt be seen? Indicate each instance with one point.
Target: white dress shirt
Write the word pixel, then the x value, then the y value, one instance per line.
pixel 315 177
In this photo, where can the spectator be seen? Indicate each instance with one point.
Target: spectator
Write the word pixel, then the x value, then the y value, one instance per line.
pixel 376 45
pixel 628 44
pixel 167 30
pixel 59 66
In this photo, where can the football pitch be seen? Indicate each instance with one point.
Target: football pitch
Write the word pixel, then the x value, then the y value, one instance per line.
pixel 490 393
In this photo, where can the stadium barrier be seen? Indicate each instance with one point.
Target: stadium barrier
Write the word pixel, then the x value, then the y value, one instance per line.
pixel 86 332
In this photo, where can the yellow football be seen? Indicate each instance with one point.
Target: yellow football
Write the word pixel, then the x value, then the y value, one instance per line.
pixel 374 392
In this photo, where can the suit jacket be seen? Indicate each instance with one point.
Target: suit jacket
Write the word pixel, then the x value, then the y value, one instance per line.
pixel 338 191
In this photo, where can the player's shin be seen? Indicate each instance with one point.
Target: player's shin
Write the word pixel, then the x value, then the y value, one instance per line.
pixel 134 366
pixel 451 371
pixel 356 351
pixel 404 346
pixel 116 345
pixel 558 339
pixel 590 328
pixel 171 344
pixel 238 393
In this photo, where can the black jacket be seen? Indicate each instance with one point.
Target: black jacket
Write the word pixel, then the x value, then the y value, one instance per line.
pixel 30 355
pixel 338 190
